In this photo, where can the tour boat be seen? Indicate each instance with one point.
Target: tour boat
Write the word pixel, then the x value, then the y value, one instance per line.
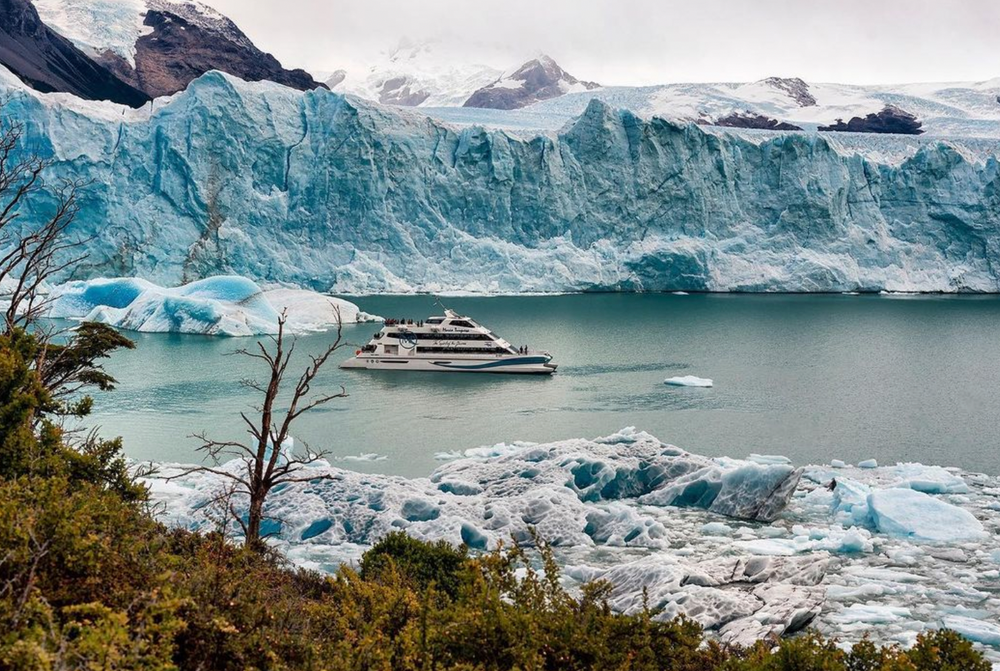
pixel 451 343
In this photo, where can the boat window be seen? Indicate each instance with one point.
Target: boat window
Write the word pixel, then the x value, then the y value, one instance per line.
pixel 433 320
pixel 462 350
pixel 462 323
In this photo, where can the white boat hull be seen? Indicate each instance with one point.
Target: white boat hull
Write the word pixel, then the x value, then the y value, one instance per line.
pixel 524 364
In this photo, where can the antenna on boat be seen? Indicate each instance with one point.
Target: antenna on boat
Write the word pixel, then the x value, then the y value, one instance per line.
pixel 447 312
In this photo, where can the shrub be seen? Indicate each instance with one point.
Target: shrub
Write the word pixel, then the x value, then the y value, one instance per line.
pixel 421 564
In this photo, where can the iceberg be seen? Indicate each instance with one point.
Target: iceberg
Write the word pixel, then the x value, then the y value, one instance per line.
pixel 229 306
pixel 921 517
pixel 340 195
pixel 930 479
pixel 688 381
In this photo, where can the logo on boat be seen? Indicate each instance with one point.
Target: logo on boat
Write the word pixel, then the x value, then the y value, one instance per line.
pixel 407 340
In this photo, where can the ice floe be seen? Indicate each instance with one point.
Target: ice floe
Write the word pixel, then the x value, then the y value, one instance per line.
pixel 749 548
pixel 912 514
pixel 224 305
pixel 688 381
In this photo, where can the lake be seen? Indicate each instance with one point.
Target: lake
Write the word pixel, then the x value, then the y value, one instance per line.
pixel 809 377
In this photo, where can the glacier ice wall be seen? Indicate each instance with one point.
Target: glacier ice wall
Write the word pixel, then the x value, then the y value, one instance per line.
pixel 338 194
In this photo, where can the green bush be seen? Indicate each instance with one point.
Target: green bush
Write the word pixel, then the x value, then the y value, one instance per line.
pixel 421 564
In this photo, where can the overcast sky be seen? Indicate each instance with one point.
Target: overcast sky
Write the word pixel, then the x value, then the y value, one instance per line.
pixel 652 41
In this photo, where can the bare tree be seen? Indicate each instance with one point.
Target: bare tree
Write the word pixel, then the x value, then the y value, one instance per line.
pixel 263 463
pixel 31 255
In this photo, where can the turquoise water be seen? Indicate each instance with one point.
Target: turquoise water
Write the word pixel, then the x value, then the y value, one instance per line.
pixel 810 377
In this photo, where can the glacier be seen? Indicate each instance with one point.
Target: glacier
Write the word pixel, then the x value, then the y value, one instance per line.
pixel 776 557
pixel 227 306
pixel 340 195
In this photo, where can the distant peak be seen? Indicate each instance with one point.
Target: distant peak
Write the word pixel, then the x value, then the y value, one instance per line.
pixel 794 88
pixel 540 78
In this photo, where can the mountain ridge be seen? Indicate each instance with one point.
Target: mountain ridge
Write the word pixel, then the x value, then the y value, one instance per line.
pixel 160 46
pixel 48 62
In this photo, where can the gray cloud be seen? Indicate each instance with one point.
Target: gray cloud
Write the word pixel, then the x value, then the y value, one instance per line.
pixel 653 41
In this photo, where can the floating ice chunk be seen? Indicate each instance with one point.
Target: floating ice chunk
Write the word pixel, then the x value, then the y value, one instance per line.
pixel 986 633
pixel 920 517
pixel 575 493
pixel 366 456
pixel 850 501
pixel 831 539
pixel 778 547
pixel 837 463
pixel 716 529
pixel 737 489
pixel 768 459
pixel 225 305
pixel 868 463
pixel 688 381
pixel 869 614
pixel 929 479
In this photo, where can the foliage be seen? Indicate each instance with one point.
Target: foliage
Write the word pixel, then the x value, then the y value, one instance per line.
pixel 422 565
pixel 31 443
pixel 90 581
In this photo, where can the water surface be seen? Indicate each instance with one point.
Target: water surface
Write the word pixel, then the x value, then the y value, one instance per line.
pixel 810 377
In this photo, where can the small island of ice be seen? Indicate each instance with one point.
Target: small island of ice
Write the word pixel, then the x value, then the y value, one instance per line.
pixel 748 548
pixel 688 381
pixel 225 305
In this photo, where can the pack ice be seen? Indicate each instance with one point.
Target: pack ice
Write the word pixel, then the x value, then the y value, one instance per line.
pixel 342 195
pixel 748 548
pixel 231 306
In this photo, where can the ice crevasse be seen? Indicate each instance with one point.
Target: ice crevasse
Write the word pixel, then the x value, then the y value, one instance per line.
pixel 336 194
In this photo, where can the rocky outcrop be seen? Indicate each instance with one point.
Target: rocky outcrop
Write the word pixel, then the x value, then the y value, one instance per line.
pixel 538 79
pixel 749 120
pixel 402 91
pixel 890 120
pixel 795 88
pixel 48 62
pixel 182 46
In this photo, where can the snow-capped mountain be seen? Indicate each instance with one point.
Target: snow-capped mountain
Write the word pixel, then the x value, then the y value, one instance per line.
pixel 431 73
pixel 539 79
pixel 964 109
pixel 439 73
pixel 160 46
pixel 47 61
